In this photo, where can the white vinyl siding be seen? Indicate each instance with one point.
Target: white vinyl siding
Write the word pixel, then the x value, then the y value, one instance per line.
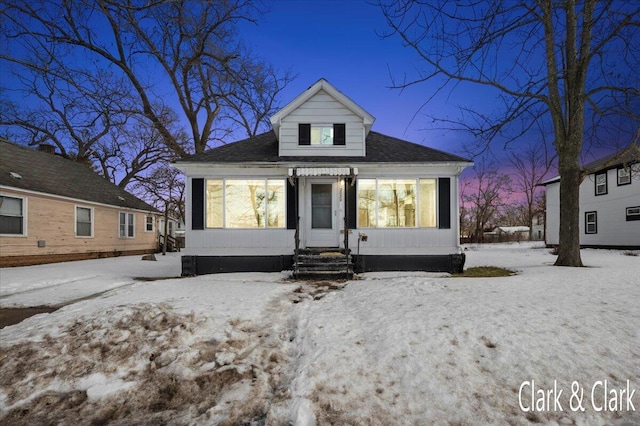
pixel 12 216
pixel 322 109
pixel 614 228
pixel 84 222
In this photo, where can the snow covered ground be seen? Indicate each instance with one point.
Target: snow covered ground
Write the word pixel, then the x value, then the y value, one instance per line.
pixel 389 348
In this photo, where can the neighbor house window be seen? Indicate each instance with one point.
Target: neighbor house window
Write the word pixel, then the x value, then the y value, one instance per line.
pixel 321 134
pixel 601 183
pixel 633 213
pixel 84 222
pixel 246 203
pixel 590 223
pixel 624 176
pixel 149 221
pixel 396 203
pixel 127 225
pixel 12 215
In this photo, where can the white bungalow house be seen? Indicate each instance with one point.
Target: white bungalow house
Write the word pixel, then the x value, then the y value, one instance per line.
pixel 609 204
pixel 283 199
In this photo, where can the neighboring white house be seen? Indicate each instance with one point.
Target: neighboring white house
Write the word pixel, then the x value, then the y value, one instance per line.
pixel 258 203
pixel 609 204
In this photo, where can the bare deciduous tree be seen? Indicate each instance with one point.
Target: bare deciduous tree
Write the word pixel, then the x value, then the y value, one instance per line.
pixel 181 55
pixel 164 188
pixel 482 197
pixel 545 60
pixel 531 165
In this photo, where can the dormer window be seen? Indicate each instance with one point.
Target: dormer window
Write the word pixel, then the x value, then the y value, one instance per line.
pixel 321 134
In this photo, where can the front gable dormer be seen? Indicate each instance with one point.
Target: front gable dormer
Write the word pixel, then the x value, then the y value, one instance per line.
pixel 322 122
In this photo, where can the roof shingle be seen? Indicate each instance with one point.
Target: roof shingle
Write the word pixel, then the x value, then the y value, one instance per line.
pixel 380 148
pixel 52 174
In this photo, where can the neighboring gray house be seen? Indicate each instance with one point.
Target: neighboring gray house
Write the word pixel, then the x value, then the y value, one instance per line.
pixel 268 202
pixel 609 204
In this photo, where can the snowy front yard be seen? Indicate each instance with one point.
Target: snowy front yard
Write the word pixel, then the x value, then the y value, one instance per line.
pixel 390 348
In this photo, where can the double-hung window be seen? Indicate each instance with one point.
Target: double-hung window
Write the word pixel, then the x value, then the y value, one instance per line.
pixel 633 213
pixel 591 223
pixel 84 222
pixel 127 225
pixel 149 223
pixel 12 217
pixel 601 183
pixel 624 176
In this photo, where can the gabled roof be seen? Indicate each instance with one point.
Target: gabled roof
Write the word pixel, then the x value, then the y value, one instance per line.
pixel 32 170
pixel 322 84
pixel 263 149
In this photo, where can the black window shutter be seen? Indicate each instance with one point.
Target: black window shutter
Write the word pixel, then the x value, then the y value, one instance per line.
pixel 291 206
pixel 339 134
pixel 304 134
pixel 197 203
pixel 444 203
pixel 352 207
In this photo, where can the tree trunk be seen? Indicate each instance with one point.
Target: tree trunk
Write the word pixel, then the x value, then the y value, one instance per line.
pixel 569 248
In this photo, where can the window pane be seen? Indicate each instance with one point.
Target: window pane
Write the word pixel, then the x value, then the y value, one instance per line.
pixel 11 220
pixel 130 225
pixel 83 229
pixel 214 204
pixel 366 203
pixel 428 203
pixel 245 205
pixel 83 215
pixel 123 225
pixel 10 206
pixel 396 203
pixel 83 222
pixel 322 135
pixel 276 209
pixel 149 223
pixel 10 225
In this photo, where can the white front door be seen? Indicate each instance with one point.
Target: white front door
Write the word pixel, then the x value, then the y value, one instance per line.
pixel 322 208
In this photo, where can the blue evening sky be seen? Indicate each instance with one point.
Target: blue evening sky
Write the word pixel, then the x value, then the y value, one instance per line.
pixel 339 41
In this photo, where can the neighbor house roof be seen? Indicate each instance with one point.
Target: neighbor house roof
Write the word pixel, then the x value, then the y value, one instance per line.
pixel 380 148
pixel 611 161
pixel 32 170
